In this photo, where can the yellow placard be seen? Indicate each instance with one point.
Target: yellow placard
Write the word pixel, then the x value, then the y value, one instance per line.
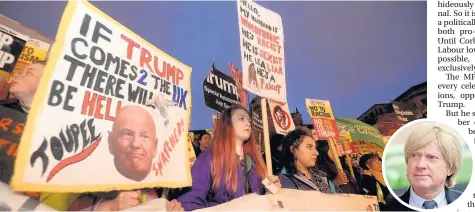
pixel 34 51
pixel 48 162
pixel 319 109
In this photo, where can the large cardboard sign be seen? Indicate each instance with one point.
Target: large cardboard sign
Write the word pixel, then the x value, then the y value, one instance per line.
pixel 283 122
pixel 322 118
pixel 262 50
pixel 100 119
pixel 297 200
pixel 11 46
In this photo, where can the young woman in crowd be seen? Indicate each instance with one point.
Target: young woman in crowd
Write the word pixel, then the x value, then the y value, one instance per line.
pixel 326 163
pixel 299 154
pixel 205 141
pixel 372 181
pixel 231 167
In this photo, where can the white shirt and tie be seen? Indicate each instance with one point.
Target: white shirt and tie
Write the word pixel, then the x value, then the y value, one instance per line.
pixel 419 202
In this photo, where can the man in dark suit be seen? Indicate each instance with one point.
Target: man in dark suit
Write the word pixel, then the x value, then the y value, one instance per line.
pixel 450 195
pixel 433 157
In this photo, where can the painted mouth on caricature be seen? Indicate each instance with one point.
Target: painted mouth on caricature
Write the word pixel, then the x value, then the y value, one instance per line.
pixel 137 155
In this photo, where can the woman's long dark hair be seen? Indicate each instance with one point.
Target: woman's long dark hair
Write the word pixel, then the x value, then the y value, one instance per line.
pixel 293 139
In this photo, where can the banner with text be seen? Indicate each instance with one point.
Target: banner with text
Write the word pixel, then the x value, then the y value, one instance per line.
pixel 11 46
pixel 322 118
pixel 293 200
pixel 237 76
pixel 220 90
pixel 360 131
pixel 262 50
pixel 100 119
pixel 283 122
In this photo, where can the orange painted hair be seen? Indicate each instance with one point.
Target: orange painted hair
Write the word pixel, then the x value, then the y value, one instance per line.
pixel 224 162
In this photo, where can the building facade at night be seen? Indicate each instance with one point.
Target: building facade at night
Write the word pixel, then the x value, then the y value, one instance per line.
pixel 383 115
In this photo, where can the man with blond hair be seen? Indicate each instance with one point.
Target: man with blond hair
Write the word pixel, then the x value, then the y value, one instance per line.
pixel 433 158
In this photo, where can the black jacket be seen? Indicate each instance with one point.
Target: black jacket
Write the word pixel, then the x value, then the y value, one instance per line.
pixel 301 183
pixel 393 205
pixel 12 104
pixel 368 186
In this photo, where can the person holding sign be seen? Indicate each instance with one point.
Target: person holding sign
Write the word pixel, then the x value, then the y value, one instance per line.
pixel 232 167
pixel 433 157
pixel 133 142
pixel 372 182
pixel 23 86
pixel 299 157
pixel 326 163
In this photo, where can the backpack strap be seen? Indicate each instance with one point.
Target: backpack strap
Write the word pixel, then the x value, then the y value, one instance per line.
pixel 248 164
pixel 245 173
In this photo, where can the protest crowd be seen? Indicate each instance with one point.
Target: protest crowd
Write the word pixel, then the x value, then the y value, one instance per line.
pixel 248 152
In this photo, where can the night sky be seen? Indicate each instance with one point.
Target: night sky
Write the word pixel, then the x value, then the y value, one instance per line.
pixel 354 54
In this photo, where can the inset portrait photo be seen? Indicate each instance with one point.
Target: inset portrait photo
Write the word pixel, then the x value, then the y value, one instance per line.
pixel 426 165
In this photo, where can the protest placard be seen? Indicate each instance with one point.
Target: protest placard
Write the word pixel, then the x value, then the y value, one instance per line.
pixel 237 76
pixel 405 112
pixel 34 51
pixel 283 122
pixel 220 90
pixel 322 118
pixel 344 144
pixel 262 50
pixel 11 46
pixel 99 120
